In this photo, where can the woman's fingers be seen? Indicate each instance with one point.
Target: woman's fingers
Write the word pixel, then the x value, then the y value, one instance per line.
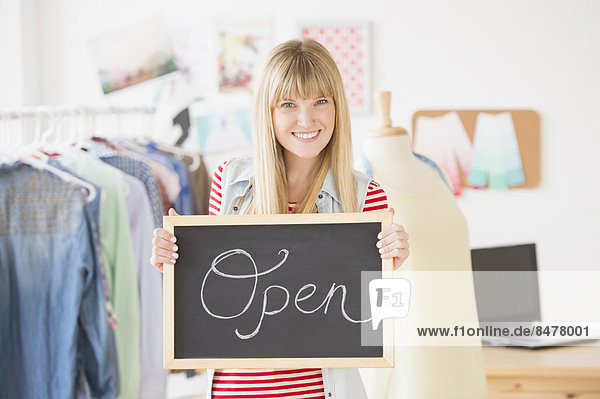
pixel 397 244
pixel 391 229
pixel 392 238
pixel 393 243
pixel 164 249
pixel 163 256
pixel 164 244
pixel 165 235
pixel 160 257
pixel 165 253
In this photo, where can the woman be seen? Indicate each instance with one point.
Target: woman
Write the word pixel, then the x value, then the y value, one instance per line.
pixel 302 164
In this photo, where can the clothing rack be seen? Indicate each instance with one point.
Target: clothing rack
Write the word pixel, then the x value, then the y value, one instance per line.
pixel 29 124
pixel 61 111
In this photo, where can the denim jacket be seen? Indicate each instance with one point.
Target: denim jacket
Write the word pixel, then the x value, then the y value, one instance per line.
pixel 237 179
pixel 54 331
pixel 236 183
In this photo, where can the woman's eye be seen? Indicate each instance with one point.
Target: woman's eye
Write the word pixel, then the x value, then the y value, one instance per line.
pixel 322 101
pixel 287 105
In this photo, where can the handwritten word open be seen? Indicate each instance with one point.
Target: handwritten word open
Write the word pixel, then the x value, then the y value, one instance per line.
pixel 300 295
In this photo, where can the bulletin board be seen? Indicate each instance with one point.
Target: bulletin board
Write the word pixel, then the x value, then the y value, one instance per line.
pixel 527 129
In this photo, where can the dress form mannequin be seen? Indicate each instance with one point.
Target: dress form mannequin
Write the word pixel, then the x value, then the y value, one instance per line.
pixel 391 148
pixel 439 243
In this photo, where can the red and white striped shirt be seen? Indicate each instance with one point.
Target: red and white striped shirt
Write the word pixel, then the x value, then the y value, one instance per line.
pixel 283 383
pixel 376 198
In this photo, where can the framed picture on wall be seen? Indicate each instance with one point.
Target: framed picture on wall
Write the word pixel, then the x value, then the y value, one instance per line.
pixel 241 47
pixel 132 55
pixel 350 45
pixel 193 44
pixel 224 127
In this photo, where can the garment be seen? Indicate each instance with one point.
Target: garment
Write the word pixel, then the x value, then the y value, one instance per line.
pixel 337 383
pixel 117 253
pixel 231 193
pixel 374 201
pixel 445 141
pixel 304 382
pixel 54 327
pixel 183 203
pixel 161 170
pixel 375 197
pixel 141 171
pixel 198 179
pixel 93 209
pixel 199 185
pixel 153 378
pixel 496 158
pixel 367 166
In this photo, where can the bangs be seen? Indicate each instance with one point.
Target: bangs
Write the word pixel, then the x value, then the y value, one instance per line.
pixel 301 77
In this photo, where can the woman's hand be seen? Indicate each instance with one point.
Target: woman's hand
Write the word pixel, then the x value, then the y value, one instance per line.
pixel 164 249
pixel 393 243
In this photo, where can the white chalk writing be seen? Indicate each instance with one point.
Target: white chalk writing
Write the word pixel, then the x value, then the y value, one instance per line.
pixel 270 312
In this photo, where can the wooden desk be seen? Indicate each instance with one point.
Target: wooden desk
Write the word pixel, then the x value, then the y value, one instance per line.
pixel 551 373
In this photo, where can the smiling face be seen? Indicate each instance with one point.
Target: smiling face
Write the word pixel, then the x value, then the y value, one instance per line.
pixel 301 125
pixel 304 127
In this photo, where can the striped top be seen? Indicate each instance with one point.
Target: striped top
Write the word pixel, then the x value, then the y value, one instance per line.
pixel 375 200
pixel 281 383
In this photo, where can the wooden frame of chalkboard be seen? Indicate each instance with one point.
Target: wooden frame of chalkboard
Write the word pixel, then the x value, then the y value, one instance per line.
pixel 191 344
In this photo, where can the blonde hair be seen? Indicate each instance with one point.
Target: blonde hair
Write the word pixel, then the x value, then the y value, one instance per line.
pixel 306 69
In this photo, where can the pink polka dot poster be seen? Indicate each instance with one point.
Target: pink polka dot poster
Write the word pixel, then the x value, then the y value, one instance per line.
pixel 349 46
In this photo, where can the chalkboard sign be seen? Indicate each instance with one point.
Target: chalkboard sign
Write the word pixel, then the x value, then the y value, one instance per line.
pixel 274 291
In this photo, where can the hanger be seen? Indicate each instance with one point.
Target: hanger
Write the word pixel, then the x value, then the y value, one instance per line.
pixel 45 136
pixel 32 155
pixel 15 132
pixel 80 127
pixel 67 177
pixel 40 139
pixel 74 132
pixel 133 144
pixel 139 144
pixel 196 158
pixel 69 142
pixel 4 138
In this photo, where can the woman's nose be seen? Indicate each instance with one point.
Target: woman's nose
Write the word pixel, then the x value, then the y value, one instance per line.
pixel 305 117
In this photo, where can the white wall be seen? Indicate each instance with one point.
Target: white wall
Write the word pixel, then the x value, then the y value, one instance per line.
pixel 11 53
pixel 537 54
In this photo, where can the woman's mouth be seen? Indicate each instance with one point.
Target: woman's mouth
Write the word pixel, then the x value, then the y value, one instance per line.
pixel 307 136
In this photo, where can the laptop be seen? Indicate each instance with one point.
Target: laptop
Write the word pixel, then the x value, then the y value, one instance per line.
pixel 508 292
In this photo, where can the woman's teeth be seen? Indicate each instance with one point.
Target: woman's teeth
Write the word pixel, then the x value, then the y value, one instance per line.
pixel 309 135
